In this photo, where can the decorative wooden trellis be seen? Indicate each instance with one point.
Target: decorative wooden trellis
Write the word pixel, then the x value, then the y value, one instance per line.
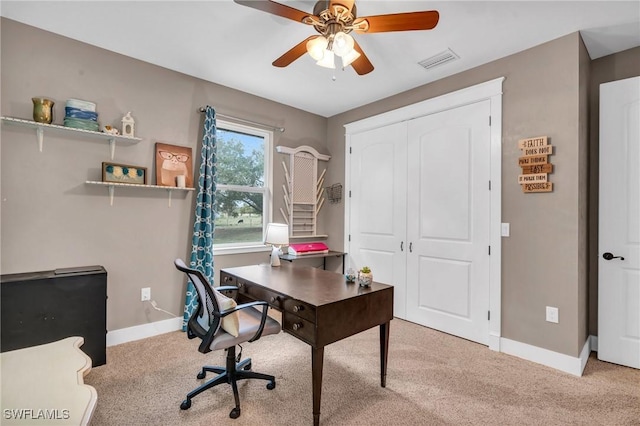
pixel 303 191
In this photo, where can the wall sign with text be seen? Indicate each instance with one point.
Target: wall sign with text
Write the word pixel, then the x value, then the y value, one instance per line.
pixel 535 164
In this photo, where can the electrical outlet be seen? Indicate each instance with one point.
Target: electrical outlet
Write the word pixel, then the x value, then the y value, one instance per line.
pixel 552 314
pixel 145 294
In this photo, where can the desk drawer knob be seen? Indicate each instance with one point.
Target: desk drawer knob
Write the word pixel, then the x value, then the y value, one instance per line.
pixel 274 299
pixel 297 326
pixel 227 278
pixel 240 284
pixel 298 308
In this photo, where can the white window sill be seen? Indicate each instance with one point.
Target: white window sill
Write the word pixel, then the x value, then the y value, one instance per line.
pixel 258 248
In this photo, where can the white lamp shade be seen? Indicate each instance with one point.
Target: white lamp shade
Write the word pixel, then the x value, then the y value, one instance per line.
pixel 316 47
pixel 342 44
pixel 327 60
pixel 277 234
pixel 349 58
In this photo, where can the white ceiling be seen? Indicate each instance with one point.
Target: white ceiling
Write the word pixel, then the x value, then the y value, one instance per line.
pixel 233 45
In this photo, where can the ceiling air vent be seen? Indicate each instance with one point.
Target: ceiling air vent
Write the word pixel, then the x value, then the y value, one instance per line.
pixel 439 59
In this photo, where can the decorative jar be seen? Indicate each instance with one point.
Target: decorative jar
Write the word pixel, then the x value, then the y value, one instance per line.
pixel 365 277
pixel 42 110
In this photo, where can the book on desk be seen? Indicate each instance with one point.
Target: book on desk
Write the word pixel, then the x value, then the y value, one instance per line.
pixel 301 249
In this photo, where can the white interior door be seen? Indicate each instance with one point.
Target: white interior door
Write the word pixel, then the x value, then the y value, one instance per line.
pixel 448 223
pixel 619 223
pixel 378 207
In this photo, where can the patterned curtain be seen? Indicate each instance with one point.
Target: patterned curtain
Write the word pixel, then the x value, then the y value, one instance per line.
pixel 203 226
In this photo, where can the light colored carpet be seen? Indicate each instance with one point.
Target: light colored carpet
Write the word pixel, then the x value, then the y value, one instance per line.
pixel 433 379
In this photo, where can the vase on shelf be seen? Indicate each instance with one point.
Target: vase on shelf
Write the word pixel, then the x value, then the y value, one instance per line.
pixel 42 110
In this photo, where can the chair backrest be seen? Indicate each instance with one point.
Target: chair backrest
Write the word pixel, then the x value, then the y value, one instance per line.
pixel 202 319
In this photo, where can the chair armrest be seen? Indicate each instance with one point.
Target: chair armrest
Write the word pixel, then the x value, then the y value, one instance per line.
pixel 208 338
pixel 263 319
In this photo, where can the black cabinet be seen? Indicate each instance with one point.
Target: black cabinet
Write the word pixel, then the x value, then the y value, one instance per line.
pixel 42 307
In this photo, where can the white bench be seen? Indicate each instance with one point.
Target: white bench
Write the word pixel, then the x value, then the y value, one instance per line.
pixel 44 384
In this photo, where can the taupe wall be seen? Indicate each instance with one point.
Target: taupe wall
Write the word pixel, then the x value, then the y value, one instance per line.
pixel 542 259
pixel 603 70
pixel 51 218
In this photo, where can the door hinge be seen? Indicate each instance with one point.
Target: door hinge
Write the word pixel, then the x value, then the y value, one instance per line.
pixel 350 150
pixel 349 237
pixel 489 185
pixel 489 250
pixel 489 120
pixel 349 193
pixel 488 315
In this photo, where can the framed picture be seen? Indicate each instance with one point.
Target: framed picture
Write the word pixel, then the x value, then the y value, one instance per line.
pixel 122 173
pixel 174 165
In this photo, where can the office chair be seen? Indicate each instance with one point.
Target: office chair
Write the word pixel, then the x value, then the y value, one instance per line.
pixel 209 323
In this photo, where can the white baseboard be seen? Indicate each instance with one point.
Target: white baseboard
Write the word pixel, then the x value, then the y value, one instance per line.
pixel 562 362
pixel 143 331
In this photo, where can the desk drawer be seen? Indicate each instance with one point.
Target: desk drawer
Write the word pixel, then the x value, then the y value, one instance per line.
pixel 300 309
pixel 226 279
pixel 299 327
pixel 255 292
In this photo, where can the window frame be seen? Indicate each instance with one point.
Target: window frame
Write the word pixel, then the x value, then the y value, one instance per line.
pixel 266 190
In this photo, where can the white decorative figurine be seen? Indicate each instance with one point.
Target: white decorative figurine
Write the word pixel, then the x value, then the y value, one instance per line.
pixel 128 125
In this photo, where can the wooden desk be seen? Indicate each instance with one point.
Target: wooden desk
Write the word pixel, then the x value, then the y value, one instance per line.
pixel 318 307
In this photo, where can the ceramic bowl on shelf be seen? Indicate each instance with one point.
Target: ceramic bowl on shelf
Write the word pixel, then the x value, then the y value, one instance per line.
pixel 80 113
pixel 80 104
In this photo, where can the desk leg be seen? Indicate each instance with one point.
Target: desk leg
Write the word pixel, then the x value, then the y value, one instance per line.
pixel 384 352
pixel 317 358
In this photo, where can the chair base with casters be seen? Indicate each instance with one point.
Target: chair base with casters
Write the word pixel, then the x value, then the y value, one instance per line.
pixel 231 375
pixel 247 322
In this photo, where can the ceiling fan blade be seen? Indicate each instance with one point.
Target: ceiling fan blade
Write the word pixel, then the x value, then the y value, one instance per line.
pixel 275 9
pixel 362 65
pixel 408 21
pixel 292 54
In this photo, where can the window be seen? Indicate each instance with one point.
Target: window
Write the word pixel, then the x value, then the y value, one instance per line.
pixel 243 181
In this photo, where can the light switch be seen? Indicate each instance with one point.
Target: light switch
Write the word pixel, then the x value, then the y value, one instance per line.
pixel 505 230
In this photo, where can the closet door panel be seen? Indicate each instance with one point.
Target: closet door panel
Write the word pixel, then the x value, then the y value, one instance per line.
pixel 378 207
pixel 445 192
pixel 448 210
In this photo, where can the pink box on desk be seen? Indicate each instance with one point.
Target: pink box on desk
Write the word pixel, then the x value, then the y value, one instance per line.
pixel 308 248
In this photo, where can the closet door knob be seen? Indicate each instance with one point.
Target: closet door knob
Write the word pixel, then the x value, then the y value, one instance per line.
pixel 609 256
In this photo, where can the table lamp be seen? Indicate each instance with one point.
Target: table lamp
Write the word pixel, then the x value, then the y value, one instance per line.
pixel 277 235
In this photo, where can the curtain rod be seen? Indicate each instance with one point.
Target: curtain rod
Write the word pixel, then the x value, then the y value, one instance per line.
pixel 268 126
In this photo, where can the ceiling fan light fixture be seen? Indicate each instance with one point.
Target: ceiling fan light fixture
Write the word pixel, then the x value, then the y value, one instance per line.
pixel 316 47
pixel 327 60
pixel 349 58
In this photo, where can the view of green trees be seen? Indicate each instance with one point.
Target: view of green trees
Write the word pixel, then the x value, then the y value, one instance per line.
pixel 240 162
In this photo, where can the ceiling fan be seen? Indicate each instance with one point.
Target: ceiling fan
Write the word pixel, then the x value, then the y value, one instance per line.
pixel 334 20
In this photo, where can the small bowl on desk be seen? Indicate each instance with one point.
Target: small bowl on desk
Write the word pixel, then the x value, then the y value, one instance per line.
pixel 350 276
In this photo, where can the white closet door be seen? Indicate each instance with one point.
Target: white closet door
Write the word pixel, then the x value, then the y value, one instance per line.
pixel 378 207
pixel 619 223
pixel 448 212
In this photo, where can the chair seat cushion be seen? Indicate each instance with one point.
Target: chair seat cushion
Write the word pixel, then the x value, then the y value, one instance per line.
pixel 249 322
